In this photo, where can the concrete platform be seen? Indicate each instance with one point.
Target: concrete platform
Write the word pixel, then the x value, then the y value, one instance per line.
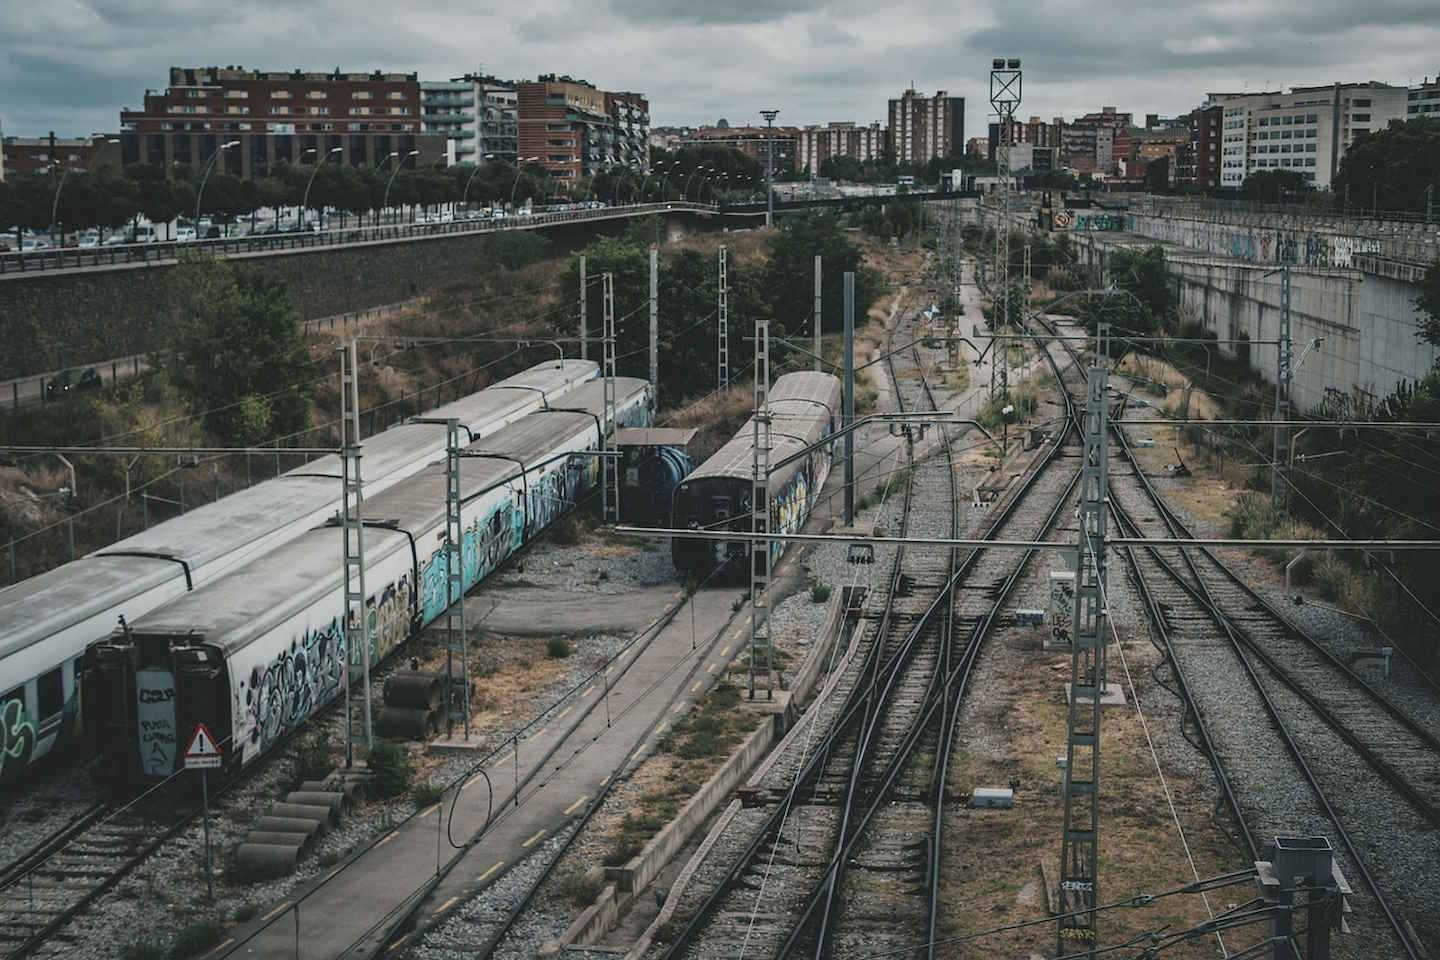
pixel 1112 696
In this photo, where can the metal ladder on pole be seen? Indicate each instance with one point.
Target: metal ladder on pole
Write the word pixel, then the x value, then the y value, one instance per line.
pixel 455 577
pixel 722 342
pixel 1284 361
pixel 760 555
pixel 356 631
pixel 610 467
pixel 1079 852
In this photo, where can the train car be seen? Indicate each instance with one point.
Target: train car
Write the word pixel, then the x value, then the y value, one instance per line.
pixel 255 653
pixel 804 408
pixel 47 621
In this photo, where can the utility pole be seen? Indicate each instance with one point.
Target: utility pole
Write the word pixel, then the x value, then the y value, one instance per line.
pixel 769 116
pixel 817 313
pixel 760 512
pixel 610 469
pixel 352 552
pixel 1079 883
pixel 584 346
pixel 849 404
pixel 455 576
pixel 1279 480
pixel 1005 94
pixel 722 343
pixel 1430 204
pixel 655 323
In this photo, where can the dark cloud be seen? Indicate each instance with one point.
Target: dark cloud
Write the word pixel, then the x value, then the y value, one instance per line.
pixel 71 65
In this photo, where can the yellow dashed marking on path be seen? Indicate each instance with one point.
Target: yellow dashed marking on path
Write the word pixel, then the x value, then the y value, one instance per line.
pixel 725 650
pixel 576 805
pixel 493 867
pixel 609 668
pixel 537 836
pixel 390 836
pixel 588 690
pixel 679 707
pixel 276 912
pixel 445 906
pixel 397 944
pixel 605 779
pixel 660 727
pixel 710 667
pixel 538 733
pixel 561 714
pixel 428 812
pixel 221 947
pixel 736 634
pixel 697 686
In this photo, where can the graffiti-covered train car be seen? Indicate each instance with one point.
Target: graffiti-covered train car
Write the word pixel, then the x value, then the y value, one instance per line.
pixel 47 621
pixel 256 652
pixel 804 409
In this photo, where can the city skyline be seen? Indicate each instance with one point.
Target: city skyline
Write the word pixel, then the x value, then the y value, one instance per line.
pixel 816 62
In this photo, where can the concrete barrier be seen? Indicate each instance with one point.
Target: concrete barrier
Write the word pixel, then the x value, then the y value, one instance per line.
pixel 315 828
pixel 306 811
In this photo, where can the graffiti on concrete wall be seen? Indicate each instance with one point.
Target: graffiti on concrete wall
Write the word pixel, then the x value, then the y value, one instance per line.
pixel 1309 248
pixel 1113 222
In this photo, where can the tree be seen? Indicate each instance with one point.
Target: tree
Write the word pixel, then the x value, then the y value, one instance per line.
pixel 789 274
pixel 1274 186
pixel 1157 175
pixel 1392 168
pixel 842 168
pixel 1429 303
pixel 235 346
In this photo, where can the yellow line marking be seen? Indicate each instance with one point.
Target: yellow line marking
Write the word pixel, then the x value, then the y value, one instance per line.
pixel 588 690
pixel 561 714
pixel 660 727
pixel 697 686
pixel 430 811
pixel 493 867
pixel 276 912
pixel 605 779
pixel 710 667
pixel 679 707
pixel 538 733
pixel 397 944
pixel 576 805
pixel 221 947
pixel 388 837
pixel 736 634
pixel 725 650
pixel 609 668
pixel 537 836
pixel 445 906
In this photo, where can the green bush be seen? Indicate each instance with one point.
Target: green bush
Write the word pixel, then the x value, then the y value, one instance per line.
pixel 578 890
pixel 313 760
pixel 1252 517
pixel 195 937
pixel 393 769
pixel 245 912
pixel 557 648
pixel 426 792
pixel 820 592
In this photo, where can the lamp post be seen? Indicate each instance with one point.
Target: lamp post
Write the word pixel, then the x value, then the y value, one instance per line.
pixel 208 166
pixel 55 204
pixel 385 204
pixel 624 170
pixel 465 197
pixel 685 194
pixel 660 165
pixel 305 201
pixel 769 116
pixel 516 182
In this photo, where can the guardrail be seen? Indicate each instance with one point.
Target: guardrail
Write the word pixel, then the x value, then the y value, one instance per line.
pixel 165 252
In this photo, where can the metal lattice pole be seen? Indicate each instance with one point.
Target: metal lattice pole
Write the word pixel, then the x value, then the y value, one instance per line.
pixel 655 322
pixel 584 343
pixel 722 341
pixel 816 358
pixel 1079 883
pixel 1005 91
pixel 352 561
pixel 1279 474
pixel 760 553
pixel 610 469
pixel 455 575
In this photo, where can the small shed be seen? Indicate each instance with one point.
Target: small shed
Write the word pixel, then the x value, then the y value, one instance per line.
pixel 653 461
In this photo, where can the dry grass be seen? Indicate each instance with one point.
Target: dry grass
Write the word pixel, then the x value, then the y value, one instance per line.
pixel 1157 371
pixel 716 417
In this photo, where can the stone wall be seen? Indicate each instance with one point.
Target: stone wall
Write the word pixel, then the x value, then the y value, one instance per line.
pixel 91 315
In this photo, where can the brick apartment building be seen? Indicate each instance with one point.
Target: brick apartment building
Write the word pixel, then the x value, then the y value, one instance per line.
pixel 754 142
pixel 277 118
pixel 576 130
pixel 20 156
pixel 815 144
pixel 922 128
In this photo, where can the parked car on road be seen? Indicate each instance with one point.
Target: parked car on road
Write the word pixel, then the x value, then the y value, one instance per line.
pixel 74 380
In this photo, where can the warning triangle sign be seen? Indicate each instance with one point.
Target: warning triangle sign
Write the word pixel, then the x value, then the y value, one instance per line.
pixel 202 744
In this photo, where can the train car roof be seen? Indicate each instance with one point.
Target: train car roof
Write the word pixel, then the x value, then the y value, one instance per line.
pixel 233 610
pixel 207 533
pixel 802 406
pixel 42 605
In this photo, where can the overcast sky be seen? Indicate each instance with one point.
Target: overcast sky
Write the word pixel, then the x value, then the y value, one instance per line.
pixel 71 65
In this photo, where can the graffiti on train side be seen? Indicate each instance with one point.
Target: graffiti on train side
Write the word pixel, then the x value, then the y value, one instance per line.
pixel 791 505
pixel 17 738
pixel 281 695
pixel 486 541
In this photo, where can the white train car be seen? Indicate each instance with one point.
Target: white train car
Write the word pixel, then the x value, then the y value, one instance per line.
pixel 47 621
pixel 254 653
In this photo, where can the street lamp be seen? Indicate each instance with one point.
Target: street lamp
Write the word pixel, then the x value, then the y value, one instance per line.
pixel 660 165
pixel 55 204
pixel 685 194
pixel 208 166
pixel 465 197
pixel 305 202
pixel 625 169
pixel 769 116
pixel 385 204
pixel 516 182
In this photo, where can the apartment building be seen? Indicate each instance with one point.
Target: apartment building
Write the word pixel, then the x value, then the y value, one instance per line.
pixel 575 130
pixel 1424 99
pixel 922 128
pixel 30 155
pixel 754 142
pixel 1087 143
pixel 1307 129
pixel 816 143
pixel 475 114
pixel 278 118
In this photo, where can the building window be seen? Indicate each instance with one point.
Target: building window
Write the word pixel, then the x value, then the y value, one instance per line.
pixel 237 94
pixel 395 95
pixel 360 111
pixel 277 111
pixel 315 95
pixel 361 95
pixel 320 111
pixel 279 94
pixel 241 110
pixel 1361 103
pixel 400 111
pixel 1360 117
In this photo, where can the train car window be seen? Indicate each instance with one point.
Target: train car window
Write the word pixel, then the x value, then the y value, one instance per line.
pixel 49 694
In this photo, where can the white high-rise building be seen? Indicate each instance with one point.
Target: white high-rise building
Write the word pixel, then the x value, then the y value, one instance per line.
pixel 1306 130
pixel 477 115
